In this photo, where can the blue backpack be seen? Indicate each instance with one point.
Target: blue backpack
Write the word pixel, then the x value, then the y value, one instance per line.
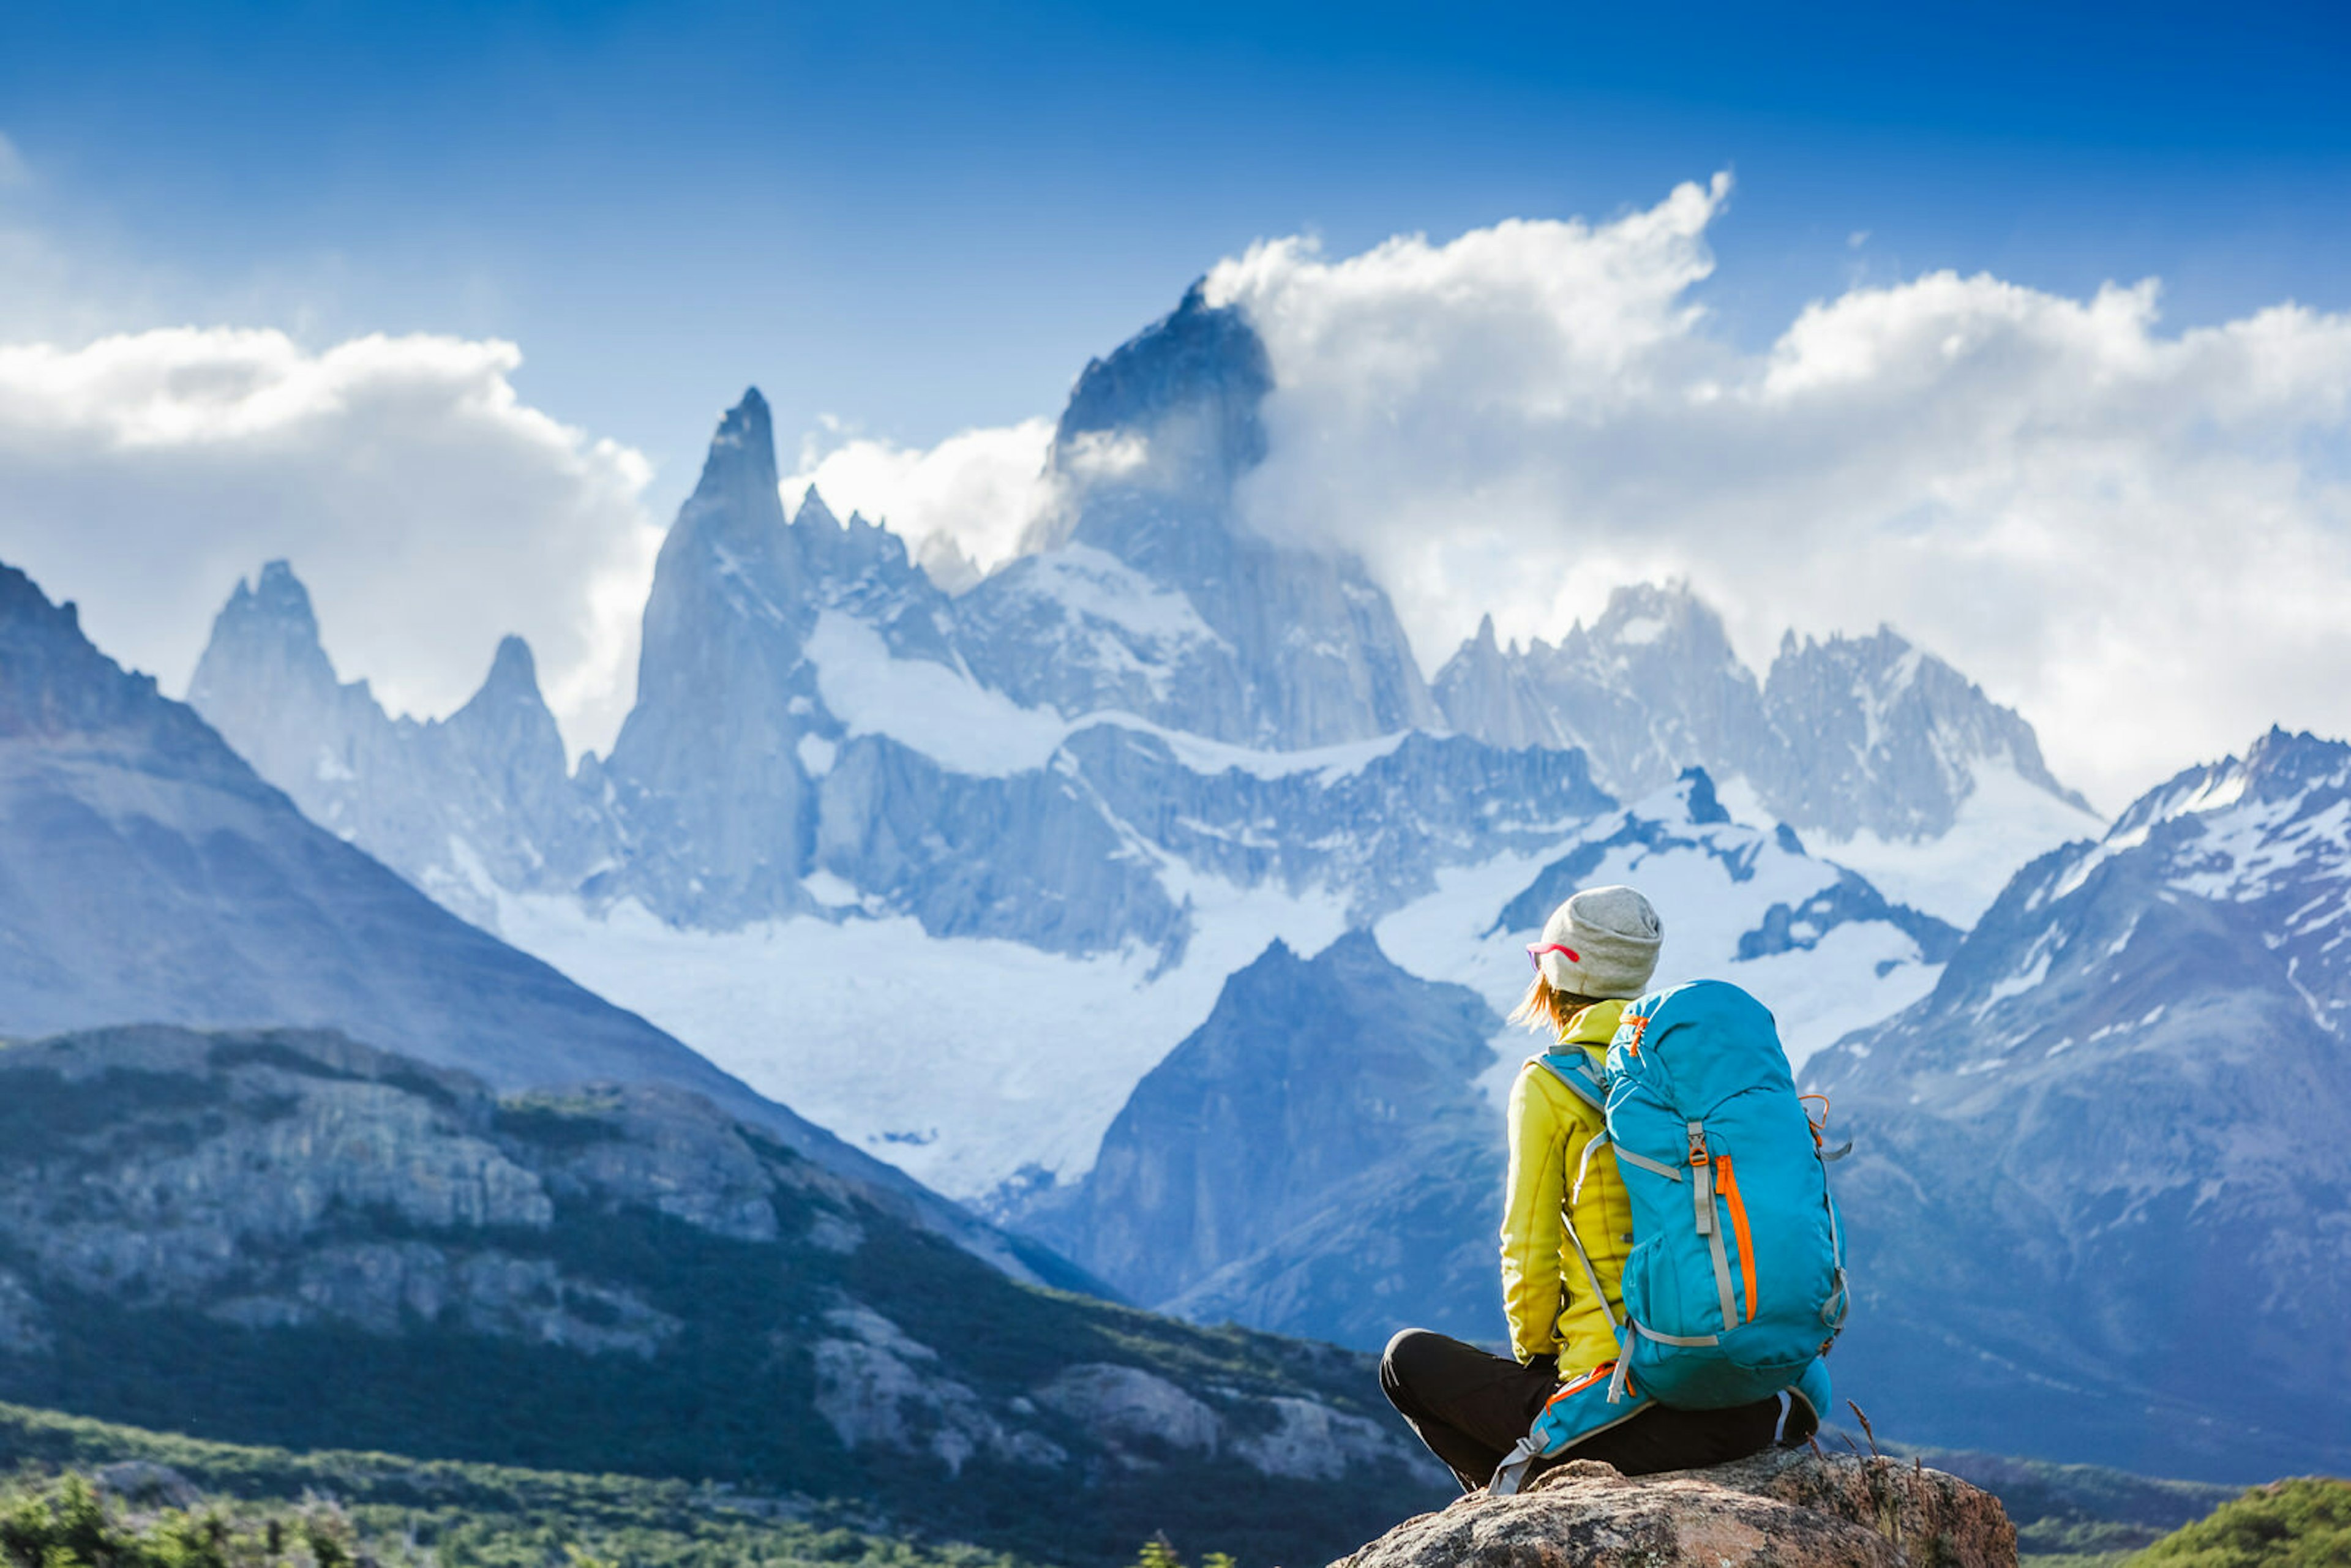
pixel 1736 1285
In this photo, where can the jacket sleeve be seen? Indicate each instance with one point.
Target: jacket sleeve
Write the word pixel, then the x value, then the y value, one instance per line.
pixel 1534 1228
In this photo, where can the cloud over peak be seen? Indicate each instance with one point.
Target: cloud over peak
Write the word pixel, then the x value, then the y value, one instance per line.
pixel 2141 538
pixel 430 510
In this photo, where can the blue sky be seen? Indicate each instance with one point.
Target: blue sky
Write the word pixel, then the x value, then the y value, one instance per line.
pixel 920 217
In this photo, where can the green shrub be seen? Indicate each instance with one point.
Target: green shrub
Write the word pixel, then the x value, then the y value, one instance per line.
pixel 2301 1523
pixel 273 1515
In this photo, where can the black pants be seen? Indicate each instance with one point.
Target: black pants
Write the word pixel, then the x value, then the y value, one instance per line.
pixel 1471 1407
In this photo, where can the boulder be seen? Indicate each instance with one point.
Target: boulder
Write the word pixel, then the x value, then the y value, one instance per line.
pixel 1778 1510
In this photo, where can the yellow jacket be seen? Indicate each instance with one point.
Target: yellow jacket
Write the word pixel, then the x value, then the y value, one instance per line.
pixel 1545 1295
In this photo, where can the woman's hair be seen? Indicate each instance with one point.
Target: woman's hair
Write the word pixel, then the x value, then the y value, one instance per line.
pixel 1546 1008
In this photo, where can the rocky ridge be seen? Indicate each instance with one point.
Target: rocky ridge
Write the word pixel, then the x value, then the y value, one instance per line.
pixel 492 776
pixel 1779 1509
pixel 810 740
pixel 1854 737
pixel 810 702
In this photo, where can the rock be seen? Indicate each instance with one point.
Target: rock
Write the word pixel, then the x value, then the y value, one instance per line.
pixel 142 1483
pixel 1127 1404
pixel 1855 735
pixel 1314 1442
pixel 1778 1510
pixel 878 1388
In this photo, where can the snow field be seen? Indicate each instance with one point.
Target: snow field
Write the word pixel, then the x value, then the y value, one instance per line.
pixel 961 1061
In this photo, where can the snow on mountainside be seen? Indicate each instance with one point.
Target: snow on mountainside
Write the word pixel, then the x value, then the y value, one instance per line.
pixel 1065 802
pixel 1036 1048
pixel 1888 758
pixel 1825 949
pixel 2125 1103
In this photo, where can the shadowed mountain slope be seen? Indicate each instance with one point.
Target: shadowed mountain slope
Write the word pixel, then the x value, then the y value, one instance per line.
pixel 148 874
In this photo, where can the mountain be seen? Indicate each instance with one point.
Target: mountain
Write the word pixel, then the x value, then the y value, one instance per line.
pixel 716 775
pixel 146 874
pixel 814 786
pixel 1324 1155
pixel 1892 761
pixel 283 1237
pixel 1283 647
pixel 1651 688
pixel 465 805
pixel 2100 1168
pixel 1303 1077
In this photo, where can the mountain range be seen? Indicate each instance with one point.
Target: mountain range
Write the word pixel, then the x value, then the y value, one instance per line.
pixel 1077 793
pixel 2097 1207
pixel 1323 1155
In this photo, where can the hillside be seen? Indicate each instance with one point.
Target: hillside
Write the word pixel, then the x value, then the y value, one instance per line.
pixel 2300 1523
pixel 286 1238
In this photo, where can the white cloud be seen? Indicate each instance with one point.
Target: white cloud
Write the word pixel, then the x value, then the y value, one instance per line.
pixel 961 506
pixel 13 170
pixel 428 508
pixel 2141 538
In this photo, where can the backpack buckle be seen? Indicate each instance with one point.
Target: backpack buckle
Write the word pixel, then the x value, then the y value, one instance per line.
pixel 1698 1155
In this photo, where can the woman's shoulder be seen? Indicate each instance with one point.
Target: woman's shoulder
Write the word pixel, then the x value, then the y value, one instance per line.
pixel 1549 1083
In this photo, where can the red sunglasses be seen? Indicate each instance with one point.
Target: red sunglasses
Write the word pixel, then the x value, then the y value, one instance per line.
pixel 1535 953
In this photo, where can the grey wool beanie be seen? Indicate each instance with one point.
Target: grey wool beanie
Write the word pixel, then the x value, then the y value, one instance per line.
pixel 1611 936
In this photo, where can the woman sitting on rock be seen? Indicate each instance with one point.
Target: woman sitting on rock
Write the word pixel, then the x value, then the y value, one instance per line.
pixel 1597 953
